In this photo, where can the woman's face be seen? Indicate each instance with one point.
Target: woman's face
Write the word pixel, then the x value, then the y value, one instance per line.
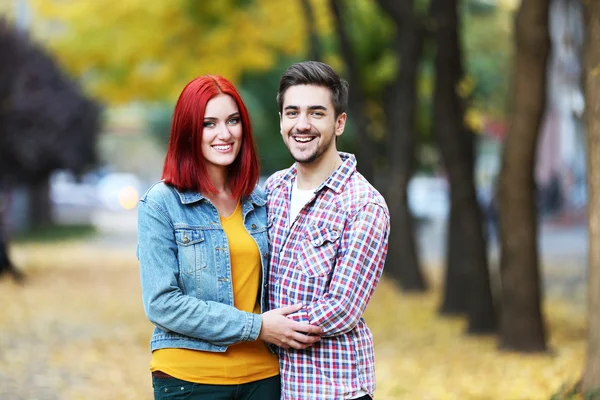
pixel 222 131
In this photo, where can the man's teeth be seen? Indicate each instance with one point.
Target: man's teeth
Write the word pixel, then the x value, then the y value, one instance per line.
pixel 303 139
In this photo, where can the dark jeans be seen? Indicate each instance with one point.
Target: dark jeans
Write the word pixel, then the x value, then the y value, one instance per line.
pixel 173 388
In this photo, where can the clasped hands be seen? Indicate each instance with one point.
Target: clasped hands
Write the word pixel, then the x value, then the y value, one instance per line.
pixel 284 332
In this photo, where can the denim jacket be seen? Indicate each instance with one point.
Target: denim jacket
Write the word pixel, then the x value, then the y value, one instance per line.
pixel 186 272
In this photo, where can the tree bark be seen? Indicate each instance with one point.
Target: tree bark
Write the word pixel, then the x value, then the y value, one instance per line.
pixel 40 209
pixel 521 324
pixel 6 265
pixel 467 283
pixel 356 102
pixel 314 52
pixel 591 376
pixel 400 102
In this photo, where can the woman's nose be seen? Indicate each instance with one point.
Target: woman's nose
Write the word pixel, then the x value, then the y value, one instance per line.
pixel 224 132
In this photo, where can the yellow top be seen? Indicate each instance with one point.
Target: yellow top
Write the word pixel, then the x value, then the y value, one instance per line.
pixel 243 362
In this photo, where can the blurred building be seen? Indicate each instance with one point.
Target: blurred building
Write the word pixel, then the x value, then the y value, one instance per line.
pixel 560 168
pixel 560 172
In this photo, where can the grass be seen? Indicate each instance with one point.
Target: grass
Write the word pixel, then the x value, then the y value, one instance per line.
pixel 53 233
pixel 76 330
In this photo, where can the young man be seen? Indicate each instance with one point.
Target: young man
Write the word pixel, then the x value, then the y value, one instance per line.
pixel 328 231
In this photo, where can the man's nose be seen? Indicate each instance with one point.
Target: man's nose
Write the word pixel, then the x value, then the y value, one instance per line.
pixel 303 124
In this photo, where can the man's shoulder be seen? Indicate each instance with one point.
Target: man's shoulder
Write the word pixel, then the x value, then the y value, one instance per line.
pixel 275 180
pixel 358 192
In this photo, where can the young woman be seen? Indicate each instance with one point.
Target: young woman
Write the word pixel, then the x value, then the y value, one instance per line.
pixel 203 257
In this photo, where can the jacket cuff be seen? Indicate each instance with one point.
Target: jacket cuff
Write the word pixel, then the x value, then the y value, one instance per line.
pixel 252 328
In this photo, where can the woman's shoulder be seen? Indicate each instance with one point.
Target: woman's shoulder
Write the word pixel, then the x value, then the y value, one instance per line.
pixel 158 192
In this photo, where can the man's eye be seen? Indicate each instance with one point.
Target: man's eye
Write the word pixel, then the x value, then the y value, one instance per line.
pixel 209 124
pixel 318 114
pixel 291 113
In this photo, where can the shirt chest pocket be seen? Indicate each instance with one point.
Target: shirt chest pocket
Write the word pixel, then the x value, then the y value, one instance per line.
pixel 192 252
pixel 318 250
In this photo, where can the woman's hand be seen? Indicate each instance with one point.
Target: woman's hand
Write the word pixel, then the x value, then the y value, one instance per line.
pixel 285 333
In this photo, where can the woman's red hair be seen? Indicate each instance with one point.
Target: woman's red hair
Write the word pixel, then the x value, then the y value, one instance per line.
pixel 185 166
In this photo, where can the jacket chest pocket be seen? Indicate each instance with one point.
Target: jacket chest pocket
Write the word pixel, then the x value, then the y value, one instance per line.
pixel 318 250
pixel 192 252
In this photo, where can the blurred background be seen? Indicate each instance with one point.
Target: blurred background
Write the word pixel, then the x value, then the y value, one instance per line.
pixel 467 115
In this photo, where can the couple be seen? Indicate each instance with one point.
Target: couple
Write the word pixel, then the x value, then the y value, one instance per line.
pixel 259 295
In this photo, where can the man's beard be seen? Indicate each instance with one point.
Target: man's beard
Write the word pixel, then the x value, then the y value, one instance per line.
pixel 319 151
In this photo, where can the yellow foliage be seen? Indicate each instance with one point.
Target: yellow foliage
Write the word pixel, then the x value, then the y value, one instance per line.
pixel 474 120
pixel 422 356
pixel 148 49
pixel 81 312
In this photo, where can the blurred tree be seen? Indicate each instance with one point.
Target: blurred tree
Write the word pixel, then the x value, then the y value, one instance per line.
pixel 357 99
pixel 46 123
pixel 149 49
pixel 467 283
pixel 314 46
pixel 521 324
pixel 591 376
pixel 486 38
pixel 400 107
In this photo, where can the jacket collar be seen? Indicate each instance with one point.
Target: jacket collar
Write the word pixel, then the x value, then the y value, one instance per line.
pixel 189 197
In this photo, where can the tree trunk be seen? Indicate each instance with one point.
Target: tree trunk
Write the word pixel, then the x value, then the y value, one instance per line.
pixel 6 265
pixel 591 376
pixel 40 209
pixel 365 155
pixel 521 323
pixel 400 101
pixel 467 284
pixel 314 52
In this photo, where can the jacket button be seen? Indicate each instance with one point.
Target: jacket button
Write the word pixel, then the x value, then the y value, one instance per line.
pixel 253 226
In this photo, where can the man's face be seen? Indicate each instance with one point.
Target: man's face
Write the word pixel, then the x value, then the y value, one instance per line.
pixel 308 123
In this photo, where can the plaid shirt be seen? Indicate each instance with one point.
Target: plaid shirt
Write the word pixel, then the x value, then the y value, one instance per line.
pixel 330 259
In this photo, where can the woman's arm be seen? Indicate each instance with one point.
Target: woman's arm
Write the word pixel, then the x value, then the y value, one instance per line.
pixel 165 304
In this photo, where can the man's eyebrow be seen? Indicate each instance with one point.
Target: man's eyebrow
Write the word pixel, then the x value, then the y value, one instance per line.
pixel 315 107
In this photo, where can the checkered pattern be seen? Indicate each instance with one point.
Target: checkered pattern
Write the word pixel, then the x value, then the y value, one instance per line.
pixel 330 260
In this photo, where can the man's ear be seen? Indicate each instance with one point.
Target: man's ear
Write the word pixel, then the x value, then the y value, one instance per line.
pixel 340 124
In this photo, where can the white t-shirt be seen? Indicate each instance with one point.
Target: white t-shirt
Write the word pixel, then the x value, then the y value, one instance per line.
pixel 299 199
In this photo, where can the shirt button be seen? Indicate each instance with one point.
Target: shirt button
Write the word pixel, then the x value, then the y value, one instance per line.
pixel 253 226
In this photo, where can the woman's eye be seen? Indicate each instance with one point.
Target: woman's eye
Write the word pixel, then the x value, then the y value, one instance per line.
pixel 233 121
pixel 208 124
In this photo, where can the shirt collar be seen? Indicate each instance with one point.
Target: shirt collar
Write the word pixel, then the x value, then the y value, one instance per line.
pixel 335 181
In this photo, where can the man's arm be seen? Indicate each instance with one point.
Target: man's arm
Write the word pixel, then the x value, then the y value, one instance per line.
pixel 356 273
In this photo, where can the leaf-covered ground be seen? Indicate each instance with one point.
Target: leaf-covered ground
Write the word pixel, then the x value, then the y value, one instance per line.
pixel 76 330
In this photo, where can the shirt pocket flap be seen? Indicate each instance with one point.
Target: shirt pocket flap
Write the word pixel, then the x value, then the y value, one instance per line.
pixel 188 237
pixel 319 235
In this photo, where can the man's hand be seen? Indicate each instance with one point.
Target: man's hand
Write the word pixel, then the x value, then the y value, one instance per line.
pixel 285 333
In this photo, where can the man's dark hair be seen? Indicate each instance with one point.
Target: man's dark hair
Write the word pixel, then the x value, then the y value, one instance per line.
pixel 319 74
